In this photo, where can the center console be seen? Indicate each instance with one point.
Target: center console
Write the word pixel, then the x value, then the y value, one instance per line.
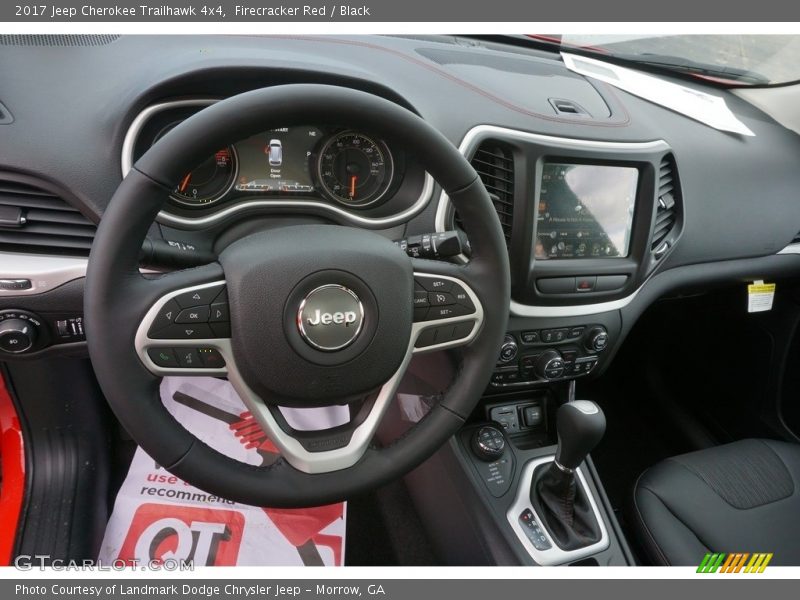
pixel 586 222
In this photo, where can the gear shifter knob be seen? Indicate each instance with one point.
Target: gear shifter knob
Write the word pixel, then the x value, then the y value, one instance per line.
pixel 581 425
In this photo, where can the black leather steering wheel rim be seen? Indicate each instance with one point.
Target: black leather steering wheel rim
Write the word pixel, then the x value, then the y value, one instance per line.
pixel 117 295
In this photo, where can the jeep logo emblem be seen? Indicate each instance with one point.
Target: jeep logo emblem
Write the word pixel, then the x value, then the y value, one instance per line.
pixel 327 318
pixel 330 317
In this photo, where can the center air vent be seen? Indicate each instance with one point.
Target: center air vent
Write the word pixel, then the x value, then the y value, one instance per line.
pixel 36 220
pixel 668 206
pixel 494 163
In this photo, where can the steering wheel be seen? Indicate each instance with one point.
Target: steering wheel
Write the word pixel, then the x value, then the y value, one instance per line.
pixel 302 316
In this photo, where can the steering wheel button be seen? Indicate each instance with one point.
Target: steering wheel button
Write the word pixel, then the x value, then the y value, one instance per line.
pixel 219 313
pixel 462 330
pixel 222 296
pixel 221 330
pixel 189 331
pixel 198 297
pixel 435 284
pixel 211 358
pixel 196 314
pixel 441 299
pixel 447 312
pixel 163 357
pixel 166 316
pixel 188 358
pixel 421 299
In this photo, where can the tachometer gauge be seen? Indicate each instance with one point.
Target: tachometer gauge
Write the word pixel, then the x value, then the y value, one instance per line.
pixel 208 182
pixel 354 169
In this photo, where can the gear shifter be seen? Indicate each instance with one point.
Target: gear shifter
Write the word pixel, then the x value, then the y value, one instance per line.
pixel 561 503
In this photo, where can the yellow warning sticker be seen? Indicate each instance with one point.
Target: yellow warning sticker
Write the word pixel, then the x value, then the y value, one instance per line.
pixel 760 296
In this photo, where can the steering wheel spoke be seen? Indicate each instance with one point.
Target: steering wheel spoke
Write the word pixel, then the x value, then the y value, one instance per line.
pixel 187 330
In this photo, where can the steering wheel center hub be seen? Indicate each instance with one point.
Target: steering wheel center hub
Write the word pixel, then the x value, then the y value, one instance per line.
pixel 330 317
pixel 315 324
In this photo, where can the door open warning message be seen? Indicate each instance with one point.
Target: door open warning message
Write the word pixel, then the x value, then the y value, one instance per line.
pixel 158 517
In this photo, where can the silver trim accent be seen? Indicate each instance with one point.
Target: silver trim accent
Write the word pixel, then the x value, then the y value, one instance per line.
pixel 301 325
pixel 126 163
pixel 291 449
pixel 790 249
pixel 45 272
pixel 587 407
pixel 470 143
pixel 554 555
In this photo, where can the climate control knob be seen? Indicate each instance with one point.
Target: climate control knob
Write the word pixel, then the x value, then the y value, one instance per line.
pixel 549 365
pixel 509 349
pixel 17 335
pixel 596 339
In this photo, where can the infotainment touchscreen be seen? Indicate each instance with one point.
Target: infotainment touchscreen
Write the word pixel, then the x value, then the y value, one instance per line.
pixel 585 211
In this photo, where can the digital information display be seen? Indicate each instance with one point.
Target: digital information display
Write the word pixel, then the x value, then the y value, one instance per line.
pixel 585 211
pixel 277 161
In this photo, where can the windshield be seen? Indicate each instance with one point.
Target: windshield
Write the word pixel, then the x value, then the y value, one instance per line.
pixel 735 59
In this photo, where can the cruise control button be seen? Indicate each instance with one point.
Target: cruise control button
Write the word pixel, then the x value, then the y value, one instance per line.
pixel 197 331
pixel 461 296
pixel 188 358
pixel 219 312
pixel 196 314
pixel 198 297
pixel 162 357
pixel 420 313
pixel 435 284
pixel 440 299
pixel 166 316
pixel 211 358
pixel 421 299
pixel 446 312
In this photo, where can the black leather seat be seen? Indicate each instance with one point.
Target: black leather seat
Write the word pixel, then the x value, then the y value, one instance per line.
pixel 739 497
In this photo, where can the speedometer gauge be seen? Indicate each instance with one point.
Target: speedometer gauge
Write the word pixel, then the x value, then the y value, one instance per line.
pixel 354 169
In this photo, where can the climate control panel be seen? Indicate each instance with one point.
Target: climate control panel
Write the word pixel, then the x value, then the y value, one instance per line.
pixel 536 356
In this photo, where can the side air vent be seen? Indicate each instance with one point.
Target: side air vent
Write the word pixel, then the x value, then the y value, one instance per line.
pixel 494 162
pixel 668 205
pixel 36 220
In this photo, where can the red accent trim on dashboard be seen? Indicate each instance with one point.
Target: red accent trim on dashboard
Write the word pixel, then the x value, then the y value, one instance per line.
pixel 12 466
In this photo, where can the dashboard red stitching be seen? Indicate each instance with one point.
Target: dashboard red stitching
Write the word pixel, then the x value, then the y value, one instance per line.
pixel 623 122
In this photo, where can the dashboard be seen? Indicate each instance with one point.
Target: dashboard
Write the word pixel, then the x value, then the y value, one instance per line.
pixel 604 211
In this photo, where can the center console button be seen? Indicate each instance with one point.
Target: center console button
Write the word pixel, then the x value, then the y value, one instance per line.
pixel 530 337
pixel 608 283
pixel 585 284
pixel 556 285
pixel 576 332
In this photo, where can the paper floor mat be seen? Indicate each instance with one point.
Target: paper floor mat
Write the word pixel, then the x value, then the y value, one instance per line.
pixel 160 517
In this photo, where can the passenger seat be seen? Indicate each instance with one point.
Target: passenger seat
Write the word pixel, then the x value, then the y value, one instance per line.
pixel 738 497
